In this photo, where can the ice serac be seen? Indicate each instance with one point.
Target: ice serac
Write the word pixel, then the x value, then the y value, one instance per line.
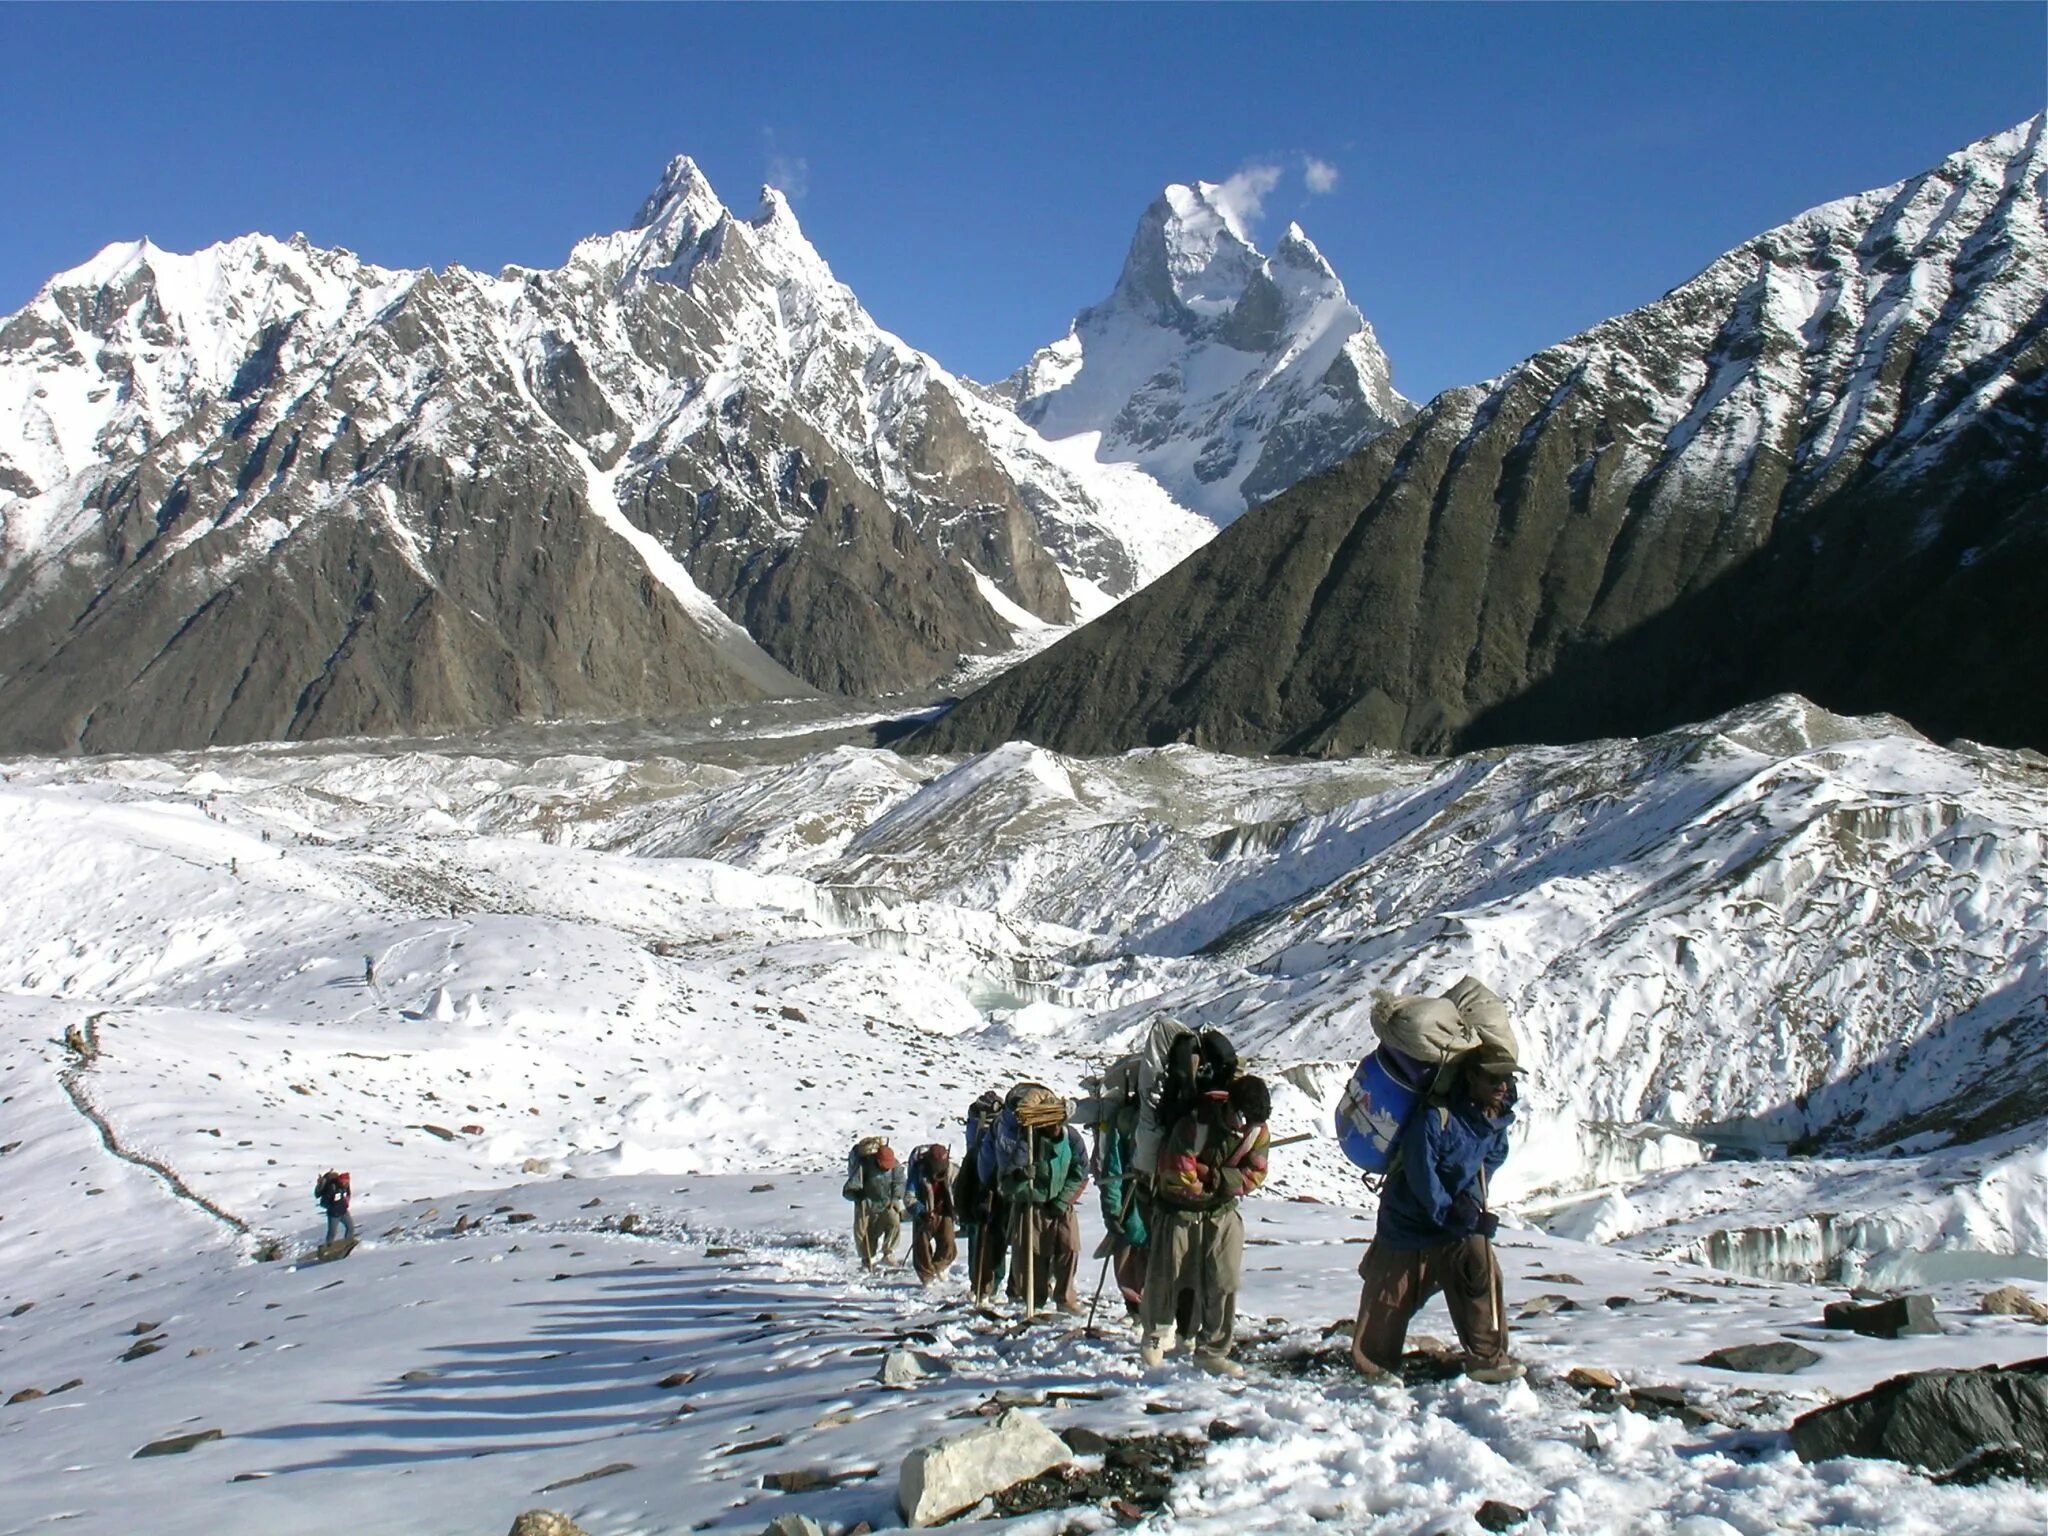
pixel 1224 374
pixel 271 491
pixel 1818 467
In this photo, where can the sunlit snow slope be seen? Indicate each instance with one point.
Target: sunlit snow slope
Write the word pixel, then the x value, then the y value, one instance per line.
pixel 1778 979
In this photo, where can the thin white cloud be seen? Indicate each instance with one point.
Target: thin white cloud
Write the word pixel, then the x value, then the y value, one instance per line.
pixel 1320 175
pixel 1243 197
pixel 788 174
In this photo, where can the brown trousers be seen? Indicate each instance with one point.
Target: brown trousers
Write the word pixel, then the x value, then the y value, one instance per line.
pixel 1129 1266
pixel 875 1229
pixel 988 1248
pixel 1054 1231
pixel 1198 1255
pixel 932 1248
pixel 1399 1280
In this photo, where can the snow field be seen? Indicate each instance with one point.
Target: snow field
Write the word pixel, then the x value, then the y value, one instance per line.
pixel 481 1369
pixel 660 985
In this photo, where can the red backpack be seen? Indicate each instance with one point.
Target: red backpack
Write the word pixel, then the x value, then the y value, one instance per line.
pixel 332 1189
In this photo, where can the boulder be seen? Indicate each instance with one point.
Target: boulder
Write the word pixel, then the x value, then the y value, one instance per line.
pixel 2015 1301
pixel 1900 1317
pixel 1936 1420
pixel 956 1473
pixel 1590 1378
pixel 1774 1359
pixel 907 1367
pixel 545 1522
pixel 793 1525
pixel 176 1445
pixel 1493 1515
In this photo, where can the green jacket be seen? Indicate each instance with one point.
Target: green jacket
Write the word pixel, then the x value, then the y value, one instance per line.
pixel 1058 1173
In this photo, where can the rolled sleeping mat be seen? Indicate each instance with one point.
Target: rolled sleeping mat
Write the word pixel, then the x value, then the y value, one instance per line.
pixel 1376 1103
pixel 1486 1015
pixel 1422 1028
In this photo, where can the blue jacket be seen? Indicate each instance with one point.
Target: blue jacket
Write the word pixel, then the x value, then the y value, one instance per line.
pixel 1444 1150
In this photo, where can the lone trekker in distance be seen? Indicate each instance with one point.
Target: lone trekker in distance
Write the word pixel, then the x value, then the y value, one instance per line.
pixel 1435 1232
pixel 331 1189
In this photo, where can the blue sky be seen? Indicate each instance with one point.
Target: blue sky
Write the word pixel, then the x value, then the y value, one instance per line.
pixel 1495 177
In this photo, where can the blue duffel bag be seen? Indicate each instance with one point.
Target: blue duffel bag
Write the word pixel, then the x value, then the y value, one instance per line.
pixel 1377 1102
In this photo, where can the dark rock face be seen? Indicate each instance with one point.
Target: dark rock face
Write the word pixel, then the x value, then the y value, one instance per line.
pixel 1937 1420
pixel 1820 467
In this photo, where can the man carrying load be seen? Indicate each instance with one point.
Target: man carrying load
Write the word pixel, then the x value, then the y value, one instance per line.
pixel 1429 1112
pixel 875 1185
pixel 1435 1231
pixel 1213 1156
pixel 1044 1169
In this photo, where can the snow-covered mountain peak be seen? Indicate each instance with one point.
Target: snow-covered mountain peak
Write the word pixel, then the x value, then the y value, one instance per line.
pixel 683 194
pixel 1301 254
pixel 666 237
pixel 174 331
pixel 109 265
pixel 1189 259
pixel 1225 374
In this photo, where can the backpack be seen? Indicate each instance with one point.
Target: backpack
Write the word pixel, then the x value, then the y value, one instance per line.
pixel 331 1188
pixel 1377 1104
pixel 1196 1065
pixel 1027 1107
pixel 1146 1092
pixel 1422 1041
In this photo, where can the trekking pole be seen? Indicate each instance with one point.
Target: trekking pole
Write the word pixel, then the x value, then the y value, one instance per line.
pixel 1096 1300
pixel 1492 1269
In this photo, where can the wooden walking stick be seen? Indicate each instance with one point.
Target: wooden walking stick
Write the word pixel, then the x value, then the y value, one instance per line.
pixel 1030 1214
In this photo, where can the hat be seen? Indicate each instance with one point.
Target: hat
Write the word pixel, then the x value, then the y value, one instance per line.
pixel 1492 1061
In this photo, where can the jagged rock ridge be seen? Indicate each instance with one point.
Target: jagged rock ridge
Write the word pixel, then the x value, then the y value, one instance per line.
pixel 1225 374
pixel 1821 466
pixel 272 491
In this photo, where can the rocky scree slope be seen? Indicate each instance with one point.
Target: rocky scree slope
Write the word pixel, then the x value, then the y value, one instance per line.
pixel 272 491
pixel 1821 466
pixel 1225 374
